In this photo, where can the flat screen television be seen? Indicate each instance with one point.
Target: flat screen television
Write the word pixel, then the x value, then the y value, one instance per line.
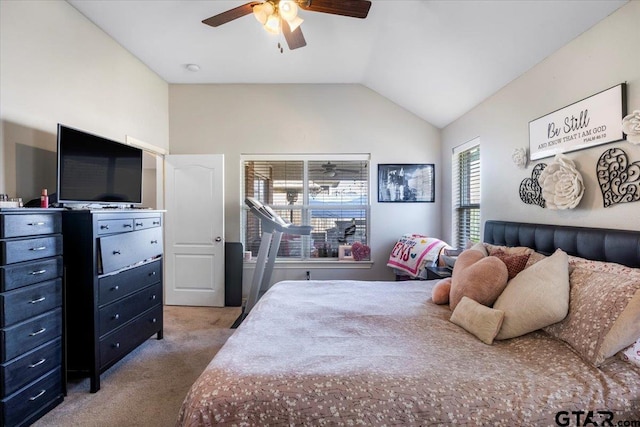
pixel 92 169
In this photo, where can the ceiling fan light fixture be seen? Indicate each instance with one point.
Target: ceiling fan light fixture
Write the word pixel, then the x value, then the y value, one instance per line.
pixel 273 24
pixel 288 10
pixel 295 23
pixel 263 11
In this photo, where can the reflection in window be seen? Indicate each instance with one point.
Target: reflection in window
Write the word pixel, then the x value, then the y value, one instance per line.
pixel 331 194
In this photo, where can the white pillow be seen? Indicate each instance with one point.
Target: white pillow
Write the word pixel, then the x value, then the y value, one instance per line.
pixel 537 297
pixel 480 320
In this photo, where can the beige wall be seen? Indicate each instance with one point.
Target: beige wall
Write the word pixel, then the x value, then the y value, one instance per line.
pixel 249 119
pixel 58 67
pixel 600 58
pixel 75 74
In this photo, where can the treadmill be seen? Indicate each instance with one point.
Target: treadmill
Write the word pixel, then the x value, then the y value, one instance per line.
pixel 273 227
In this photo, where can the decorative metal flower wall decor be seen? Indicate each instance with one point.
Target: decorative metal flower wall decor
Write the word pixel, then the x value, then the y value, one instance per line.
pixel 530 190
pixel 619 180
pixel 562 185
pixel 631 126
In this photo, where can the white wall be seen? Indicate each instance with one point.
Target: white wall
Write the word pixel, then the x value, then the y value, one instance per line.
pixel 600 58
pixel 57 67
pixel 250 119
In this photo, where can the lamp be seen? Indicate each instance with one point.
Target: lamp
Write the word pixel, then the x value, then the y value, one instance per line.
pixel 263 11
pixel 273 24
pixel 268 14
pixel 288 9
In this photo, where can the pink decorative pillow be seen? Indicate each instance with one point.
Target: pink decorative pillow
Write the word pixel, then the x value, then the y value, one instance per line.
pixel 440 292
pixel 360 252
pixel 604 314
pixel 509 250
pixel 478 277
pixel 602 266
pixel 632 353
pixel 515 263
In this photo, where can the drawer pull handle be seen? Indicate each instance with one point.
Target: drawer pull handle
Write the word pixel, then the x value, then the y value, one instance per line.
pixel 104 227
pixel 35 224
pixel 33 334
pixel 35 273
pixel 115 288
pixel 127 225
pixel 116 345
pixel 153 297
pixel 38 363
pixel 35 301
pixel 156 222
pixel 154 242
pixel 139 224
pixel 153 273
pixel 39 248
pixel 154 320
pixel 32 398
pixel 116 252
pixel 115 316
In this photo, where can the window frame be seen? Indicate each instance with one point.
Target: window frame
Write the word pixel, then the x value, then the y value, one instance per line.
pixel 463 203
pixel 305 208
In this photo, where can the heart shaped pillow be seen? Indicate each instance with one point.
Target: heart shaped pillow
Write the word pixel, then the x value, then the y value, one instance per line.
pixel 481 278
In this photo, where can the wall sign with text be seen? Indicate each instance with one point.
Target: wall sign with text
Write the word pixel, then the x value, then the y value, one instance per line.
pixel 593 121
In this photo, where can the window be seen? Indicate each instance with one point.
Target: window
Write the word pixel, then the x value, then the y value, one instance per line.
pixel 466 193
pixel 330 193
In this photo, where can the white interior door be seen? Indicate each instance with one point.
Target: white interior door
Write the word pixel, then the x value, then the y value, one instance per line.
pixel 194 228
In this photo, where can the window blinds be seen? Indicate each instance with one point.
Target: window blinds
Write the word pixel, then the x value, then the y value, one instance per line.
pixel 330 195
pixel 466 175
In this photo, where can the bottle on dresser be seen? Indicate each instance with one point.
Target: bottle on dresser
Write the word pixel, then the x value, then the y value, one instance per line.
pixel 44 199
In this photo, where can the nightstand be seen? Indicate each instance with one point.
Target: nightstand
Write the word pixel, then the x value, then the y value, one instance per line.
pixel 438 272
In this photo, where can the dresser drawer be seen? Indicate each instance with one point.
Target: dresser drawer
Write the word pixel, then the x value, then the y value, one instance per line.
pixel 121 284
pixel 17 408
pixel 24 336
pixel 120 312
pixel 149 222
pixel 125 339
pixel 22 303
pixel 110 226
pixel 27 249
pixel 122 250
pixel 26 368
pixel 29 225
pixel 27 273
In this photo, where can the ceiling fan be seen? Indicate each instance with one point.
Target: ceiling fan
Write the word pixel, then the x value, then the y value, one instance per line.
pixel 281 16
pixel 331 170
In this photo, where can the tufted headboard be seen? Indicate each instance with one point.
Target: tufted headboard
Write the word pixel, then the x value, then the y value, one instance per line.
pixel 600 244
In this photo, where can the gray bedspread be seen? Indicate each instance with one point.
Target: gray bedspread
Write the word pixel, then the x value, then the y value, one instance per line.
pixel 381 353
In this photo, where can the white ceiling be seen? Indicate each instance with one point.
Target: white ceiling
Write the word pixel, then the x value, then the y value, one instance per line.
pixel 437 59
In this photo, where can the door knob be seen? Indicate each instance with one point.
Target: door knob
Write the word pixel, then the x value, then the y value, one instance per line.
pixel 218 239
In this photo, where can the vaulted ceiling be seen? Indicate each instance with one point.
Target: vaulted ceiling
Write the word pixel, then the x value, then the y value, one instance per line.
pixel 437 59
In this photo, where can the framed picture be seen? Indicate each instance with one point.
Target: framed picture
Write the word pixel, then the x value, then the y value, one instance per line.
pixel 406 183
pixel 593 121
pixel 344 253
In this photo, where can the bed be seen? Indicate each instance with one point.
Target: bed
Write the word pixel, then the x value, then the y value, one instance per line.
pixel 382 353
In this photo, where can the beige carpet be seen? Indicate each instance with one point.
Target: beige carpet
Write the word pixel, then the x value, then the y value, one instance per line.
pixel 147 387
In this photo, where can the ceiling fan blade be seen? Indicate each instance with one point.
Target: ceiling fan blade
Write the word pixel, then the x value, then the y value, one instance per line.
pixel 231 14
pixel 351 8
pixel 294 38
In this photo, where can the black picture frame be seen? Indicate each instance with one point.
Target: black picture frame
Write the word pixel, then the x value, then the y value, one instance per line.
pixel 407 183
